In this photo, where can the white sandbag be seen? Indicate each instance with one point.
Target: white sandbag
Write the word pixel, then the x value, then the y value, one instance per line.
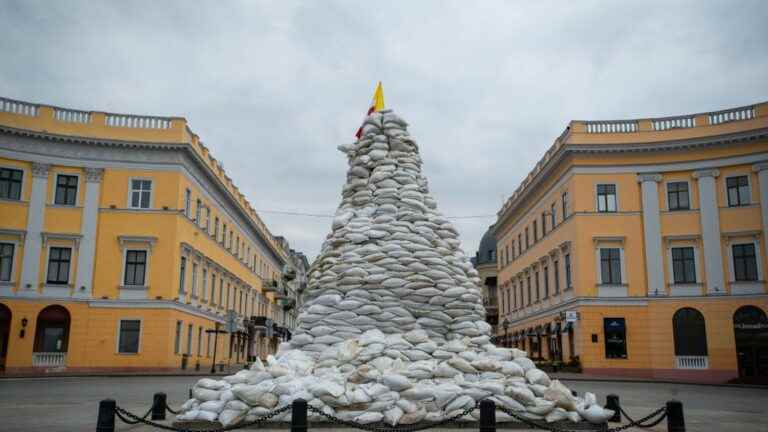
pixel 444 370
pixel 541 407
pixel 510 368
pixel 371 337
pixel 322 387
pixel 257 377
pixel 204 394
pixel 486 364
pixel 525 363
pixel 396 382
pixel 236 405
pixel 392 416
pixel 595 413
pixel 536 376
pixel 188 415
pixel 407 406
pixel 558 414
pixel 538 389
pixel 190 404
pixel 508 402
pixel 230 417
pixel 211 384
pixel 413 417
pixel 460 403
pixel 560 395
pixel 462 365
pixel 206 416
pixel 212 406
pixel 521 394
pixel 369 417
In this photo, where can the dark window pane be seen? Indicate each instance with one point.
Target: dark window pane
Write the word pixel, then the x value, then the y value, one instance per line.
pixel 6 261
pixel 66 190
pixel 129 336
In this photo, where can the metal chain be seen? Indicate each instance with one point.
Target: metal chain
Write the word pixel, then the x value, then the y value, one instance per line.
pixel 167 408
pixel 532 423
pixel 639 423
pixel 374 428
pixel 120 412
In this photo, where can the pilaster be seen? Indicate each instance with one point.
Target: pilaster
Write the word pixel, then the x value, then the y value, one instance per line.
pixel 654 264
pixel 762 175
pixel 33 244
pixel 87 252
pixel 710 230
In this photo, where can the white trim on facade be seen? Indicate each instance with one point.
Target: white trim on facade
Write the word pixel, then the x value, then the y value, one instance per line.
pixel 151 193
pixel 56 173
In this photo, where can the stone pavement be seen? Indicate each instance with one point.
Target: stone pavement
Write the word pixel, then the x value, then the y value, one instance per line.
pixel 70 404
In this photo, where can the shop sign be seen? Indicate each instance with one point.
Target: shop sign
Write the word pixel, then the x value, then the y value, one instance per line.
pixel 571 316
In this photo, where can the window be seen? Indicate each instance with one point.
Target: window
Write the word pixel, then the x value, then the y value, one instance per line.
pixel 237 246
pixel 738 191
pixel 66 190
pixel 59 260
pixel 528 283
pixel 182 274
pixel 683 265
pixel 535 231
pixel 231 235
pixel 6 261
pixel 10 183
pixel 221 292
pixel 216 228
pixel 208 344
pixel 677 196
pixel 189 340
pixel 188 203
pixel 514 251
pixel 538 291
pixel 194 280
pixel 615 338
pixel 506 253
pixel 206 225
pixel 744 262
pixel 568 281
pixel 224 234
pixel 610 266
pixel 527 239
pixel 546 281
pixel 543 224
pixel 177 341
pixel 689 332
pixel 514 296
pixel 519 244
pixel 204 294
pixel 141 192
pixel 553 215
pixel 198 212
pixel 135 267
pixel 213 288
pixel 128 340
pixel 556 265
pixel 564 201
pixel 606 198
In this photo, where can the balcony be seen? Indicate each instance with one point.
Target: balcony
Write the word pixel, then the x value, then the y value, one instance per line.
pixel 49 359
pixel 692 362
pixel 270 286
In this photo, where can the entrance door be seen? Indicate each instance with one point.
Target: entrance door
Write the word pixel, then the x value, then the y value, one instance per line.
pixel 5 330
pixel 750 326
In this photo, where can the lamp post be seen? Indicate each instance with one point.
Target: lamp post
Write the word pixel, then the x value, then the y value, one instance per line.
pixel 505 324
pixel 215 344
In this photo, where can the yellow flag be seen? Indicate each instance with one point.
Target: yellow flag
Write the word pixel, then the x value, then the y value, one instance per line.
pixel 378 98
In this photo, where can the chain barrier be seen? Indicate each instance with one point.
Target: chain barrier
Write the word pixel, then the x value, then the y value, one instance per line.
pixel 134 419
pixel 138 419
pixel 640 423
pixel 373 428
pixel 176 412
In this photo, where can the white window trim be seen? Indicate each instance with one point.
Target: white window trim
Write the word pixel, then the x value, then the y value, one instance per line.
pixel 151 193
pixel 748 175
pixel 117 337
pixel 193 282
pixel 758 259
pixel 666 194
pixel 188 203
pixel 25 172
pixel 204 275
pixel 622 263
pixel 696 263
pixel 148 250
pixel 53 189
pixel 72 263
pixel 597 200
pixel 182 291
pixel 16 246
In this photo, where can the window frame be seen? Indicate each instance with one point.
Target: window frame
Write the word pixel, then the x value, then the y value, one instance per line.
pixel 177 338
pixel 129 203
pixel 12 181
pixel 755 255
pixel 693 259
pixel 125 267
pixel 188 203
pixel 182 275
pixel 568 271
pixel 748 186
pixel 553 215
pixel 598 195
pixel 54 192
pixel 556 266
pixel 545 274
pixel 564 204
pixel 118 339
pixel 69 266
pixel 688 193
pixel 620 257
pixel 12 267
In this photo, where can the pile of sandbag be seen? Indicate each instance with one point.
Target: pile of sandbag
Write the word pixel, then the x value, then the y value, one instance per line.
pixel 392 325
pixel 370 379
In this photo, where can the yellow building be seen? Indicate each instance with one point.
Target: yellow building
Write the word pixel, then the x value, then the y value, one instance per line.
pixel 639 247
pixel 124 246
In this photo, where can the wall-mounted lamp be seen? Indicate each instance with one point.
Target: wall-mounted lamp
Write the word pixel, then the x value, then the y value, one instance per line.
pixel 23 330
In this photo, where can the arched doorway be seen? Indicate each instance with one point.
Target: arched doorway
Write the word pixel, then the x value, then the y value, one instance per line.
pixel 5 331
pixel 750 326
pixel 690 335
pixel 51 337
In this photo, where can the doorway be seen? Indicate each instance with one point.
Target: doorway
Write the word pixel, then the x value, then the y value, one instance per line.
pixel 5 331
pixel 750 326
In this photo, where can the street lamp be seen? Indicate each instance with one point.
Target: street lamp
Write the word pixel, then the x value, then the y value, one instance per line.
pixel 505 324
pixel 215 344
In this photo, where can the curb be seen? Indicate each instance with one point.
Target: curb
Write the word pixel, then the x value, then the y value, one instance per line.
pixel 114 375
pixel 647 381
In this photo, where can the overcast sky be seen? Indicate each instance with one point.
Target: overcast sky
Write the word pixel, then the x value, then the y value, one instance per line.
pixel 273 87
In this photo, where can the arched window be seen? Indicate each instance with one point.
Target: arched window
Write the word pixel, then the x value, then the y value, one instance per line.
pixel 749 318
pixel 690 333
pixel 52 333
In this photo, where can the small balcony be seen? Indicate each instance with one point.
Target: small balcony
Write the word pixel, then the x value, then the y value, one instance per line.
pixel 270 286
pixel 49 359
pixel 692 362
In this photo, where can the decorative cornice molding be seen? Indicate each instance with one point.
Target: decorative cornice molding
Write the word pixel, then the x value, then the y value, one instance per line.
pixel 148 240
pixel 48 236
pixel 94 175
pixel 21 234
pixel 760 166
pixel 608 239
pixel 40 169
pixel 649 178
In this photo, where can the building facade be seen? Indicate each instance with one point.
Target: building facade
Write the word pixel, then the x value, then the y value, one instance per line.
pixel 638 247
pixel 125 246
pixel 487 268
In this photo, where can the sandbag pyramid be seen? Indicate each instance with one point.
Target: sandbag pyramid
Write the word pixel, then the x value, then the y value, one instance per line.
pixel 392 328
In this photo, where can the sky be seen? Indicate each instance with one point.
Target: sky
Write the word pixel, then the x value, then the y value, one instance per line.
pixel 273 87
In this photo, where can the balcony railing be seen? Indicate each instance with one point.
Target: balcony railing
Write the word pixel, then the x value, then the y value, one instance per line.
pixel 735 114
pixel 692 362
pixel 137 122
pixel 612 126
pixel 681 122
pixel 71 116
pixel 49 359
pixel 18 107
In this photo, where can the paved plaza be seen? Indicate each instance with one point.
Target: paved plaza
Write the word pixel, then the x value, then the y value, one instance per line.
pixel 70 404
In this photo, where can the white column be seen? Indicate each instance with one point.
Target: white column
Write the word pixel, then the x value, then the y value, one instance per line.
pixel 710 230
pixel 762 175
pixel 654 263
pixel 87 253
pixel 33 242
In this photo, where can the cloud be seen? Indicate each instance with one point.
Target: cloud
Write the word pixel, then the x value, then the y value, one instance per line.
pixel 274 87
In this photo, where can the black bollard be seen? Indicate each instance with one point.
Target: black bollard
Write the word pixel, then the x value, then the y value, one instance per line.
pixel 487 416
pixel 106 419
pixel 612 403
pixel 190 394
pixel 158 406
pixel 675 420
pixel 299 416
